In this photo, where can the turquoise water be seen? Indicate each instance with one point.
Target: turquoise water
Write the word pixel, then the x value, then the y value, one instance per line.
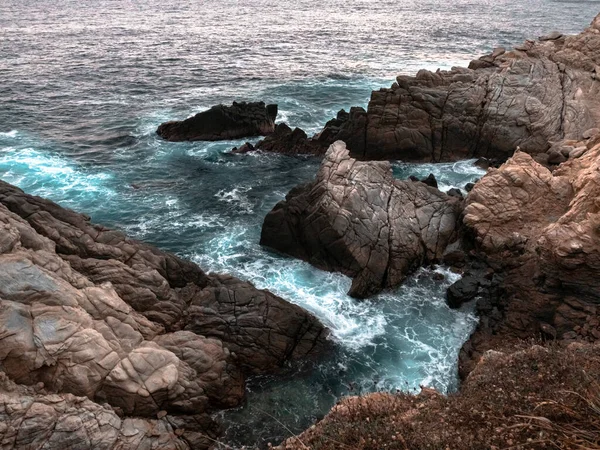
pixel 83 86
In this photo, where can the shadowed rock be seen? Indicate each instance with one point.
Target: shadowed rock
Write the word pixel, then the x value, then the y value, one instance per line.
pixel 223 123
pixel 357 219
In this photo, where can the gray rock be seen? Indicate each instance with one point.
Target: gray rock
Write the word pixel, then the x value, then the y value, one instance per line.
pixel 357 219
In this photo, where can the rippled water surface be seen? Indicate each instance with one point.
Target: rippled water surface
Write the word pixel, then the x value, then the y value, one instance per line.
pixel 83 86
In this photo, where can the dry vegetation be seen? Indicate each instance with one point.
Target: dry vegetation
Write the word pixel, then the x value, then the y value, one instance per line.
pixel 534 398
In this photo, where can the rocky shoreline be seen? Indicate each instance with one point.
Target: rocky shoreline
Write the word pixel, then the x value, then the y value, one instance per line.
pixel 120 344
pixel 526 239
pixel 111 343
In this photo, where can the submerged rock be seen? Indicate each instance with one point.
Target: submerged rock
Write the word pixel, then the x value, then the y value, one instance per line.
pixel 223 123
pixel 84 310
pixel 357 219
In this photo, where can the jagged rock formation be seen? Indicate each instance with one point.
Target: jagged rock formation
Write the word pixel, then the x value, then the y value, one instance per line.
pixel 357 219
pixel 532 398
pixel 86 311
pixel 222 123
pixel 534 96
pixel 541 92
pixel 286 141
pixel 539 230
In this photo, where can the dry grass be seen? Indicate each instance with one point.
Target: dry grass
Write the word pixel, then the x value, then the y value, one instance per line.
pixel 537 398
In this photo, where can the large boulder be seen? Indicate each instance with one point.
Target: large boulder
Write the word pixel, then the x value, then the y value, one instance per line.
pixel 84 310
pixel 357 219
pixel 540 230
pixel 223 123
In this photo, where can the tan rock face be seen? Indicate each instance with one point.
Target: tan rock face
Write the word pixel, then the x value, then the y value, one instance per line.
pixel 86 311
pixel 357 219
pixel 541 231
pixel 36 419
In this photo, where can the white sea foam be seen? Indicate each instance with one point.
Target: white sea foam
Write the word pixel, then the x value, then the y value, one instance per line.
pixel 10 134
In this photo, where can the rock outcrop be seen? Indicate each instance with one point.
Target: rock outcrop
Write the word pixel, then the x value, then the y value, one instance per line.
pixel 357 219
pixel 536 96
pixel 539 230
pixel 86 311
pixel 223 123
pixel 286 141
pixel 33 418
pixel 540 92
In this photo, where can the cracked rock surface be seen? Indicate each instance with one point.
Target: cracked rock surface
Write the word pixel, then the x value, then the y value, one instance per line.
pixel 541 231
pixel 537 94
pixel 357 219
pixel 86 311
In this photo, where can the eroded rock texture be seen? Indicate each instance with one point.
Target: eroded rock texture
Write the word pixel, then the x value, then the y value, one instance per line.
pixel 541 231
pixel 86 311
pixel 33 418
pixel 533 96
pixel 222 123
pixel 357 219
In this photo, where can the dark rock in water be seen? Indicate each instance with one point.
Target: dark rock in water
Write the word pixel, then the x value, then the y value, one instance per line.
pixel 462 291
pixel 413 178
pixel 357 219
pixel 469 187
pixel 483 163
pixel 430 181
pixel 130 326
pixel 290 142
pixel 247 147
pixel 503 100
pixel 222 123
pixel 455 193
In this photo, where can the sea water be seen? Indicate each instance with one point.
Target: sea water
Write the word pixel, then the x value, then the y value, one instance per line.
pixel 83 86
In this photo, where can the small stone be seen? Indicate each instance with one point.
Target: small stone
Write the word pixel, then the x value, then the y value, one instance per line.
pixel 566 150
pixel 577 152
pixel 588 134
pixel 556 157
pixel 552 36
